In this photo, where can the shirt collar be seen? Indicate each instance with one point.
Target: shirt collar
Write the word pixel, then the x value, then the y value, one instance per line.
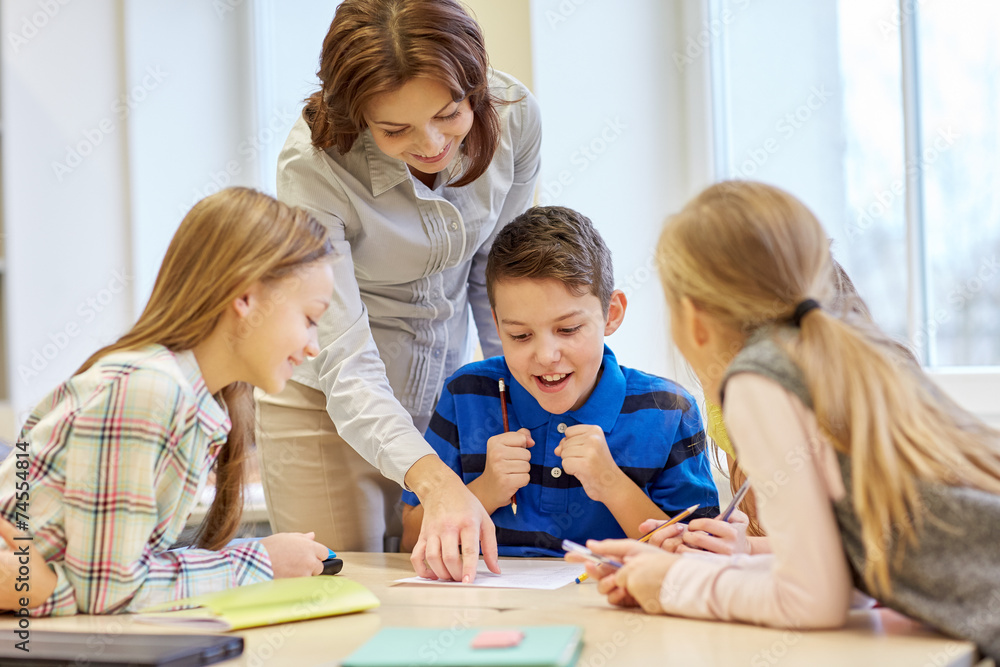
pixel 456 166
pixel 213 415
pixel 386 173
pixel 601 409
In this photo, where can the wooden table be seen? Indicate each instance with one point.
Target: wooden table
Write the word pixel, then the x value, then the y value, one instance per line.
pixel 612 636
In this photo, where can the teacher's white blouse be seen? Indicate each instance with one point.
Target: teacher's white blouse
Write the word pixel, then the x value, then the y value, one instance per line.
pixel 409 273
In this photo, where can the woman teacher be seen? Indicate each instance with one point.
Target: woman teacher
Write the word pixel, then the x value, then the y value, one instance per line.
pixel 413 153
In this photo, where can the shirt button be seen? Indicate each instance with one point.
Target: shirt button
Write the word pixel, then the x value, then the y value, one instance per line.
pixel 437 353
pixel 557 472
pixel 561 428
pixel 454 225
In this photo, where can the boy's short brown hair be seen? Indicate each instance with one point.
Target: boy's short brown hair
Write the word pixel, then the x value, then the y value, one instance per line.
pixel 552 242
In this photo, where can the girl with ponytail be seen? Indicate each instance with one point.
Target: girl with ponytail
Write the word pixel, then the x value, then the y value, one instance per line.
pixel 742 533
pixel 114 459
pixel 863 470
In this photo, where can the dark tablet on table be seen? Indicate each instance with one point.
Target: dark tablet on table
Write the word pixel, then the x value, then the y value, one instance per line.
pixel 97 650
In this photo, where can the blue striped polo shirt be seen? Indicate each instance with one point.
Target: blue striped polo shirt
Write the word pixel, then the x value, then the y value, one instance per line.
pixel 653 429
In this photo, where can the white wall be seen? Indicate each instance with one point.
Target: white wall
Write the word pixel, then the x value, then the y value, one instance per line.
pixel 191 112
pixel 793 115
pixel 286 59
pixel 68 284
pixel 157 102
pixel 613 143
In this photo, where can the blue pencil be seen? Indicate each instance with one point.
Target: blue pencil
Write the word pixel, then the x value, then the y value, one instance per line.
pixel 736 501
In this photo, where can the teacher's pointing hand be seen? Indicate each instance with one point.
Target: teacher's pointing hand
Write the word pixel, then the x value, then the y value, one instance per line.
pixel 454 526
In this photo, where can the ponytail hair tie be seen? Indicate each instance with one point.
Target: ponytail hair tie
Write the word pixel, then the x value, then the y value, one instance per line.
pixel 803 308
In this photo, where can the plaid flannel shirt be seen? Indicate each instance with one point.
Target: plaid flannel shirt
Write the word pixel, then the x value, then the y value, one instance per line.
pixel 116 458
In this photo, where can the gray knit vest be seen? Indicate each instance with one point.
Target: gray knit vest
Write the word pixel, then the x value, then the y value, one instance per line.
pixel 950 579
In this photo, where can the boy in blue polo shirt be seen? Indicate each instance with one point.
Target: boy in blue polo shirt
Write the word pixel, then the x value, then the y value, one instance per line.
pixel 593 448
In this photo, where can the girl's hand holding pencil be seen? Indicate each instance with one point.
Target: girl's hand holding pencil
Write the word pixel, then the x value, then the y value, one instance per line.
pixel 669 538
pixel 717 536
pixel 637 582
pixel 653 531
pixel 725 535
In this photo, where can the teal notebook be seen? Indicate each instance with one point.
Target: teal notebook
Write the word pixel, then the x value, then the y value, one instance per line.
pixel 541 646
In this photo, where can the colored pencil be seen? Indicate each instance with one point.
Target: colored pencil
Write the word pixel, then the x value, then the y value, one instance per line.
pixel 506 428
pixel 736 501
pixel 645 538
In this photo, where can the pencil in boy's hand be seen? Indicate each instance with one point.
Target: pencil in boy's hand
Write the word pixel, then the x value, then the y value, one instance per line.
pixel 683 515
pixel 506 428
pixel 736 501
pixel 645 538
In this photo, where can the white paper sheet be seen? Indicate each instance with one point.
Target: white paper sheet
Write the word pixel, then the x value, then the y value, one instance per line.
pixel 536 574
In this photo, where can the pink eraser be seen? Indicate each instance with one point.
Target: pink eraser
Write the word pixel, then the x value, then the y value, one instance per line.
pixel 497 639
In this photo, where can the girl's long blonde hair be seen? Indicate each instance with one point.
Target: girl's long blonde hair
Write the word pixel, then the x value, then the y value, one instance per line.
pixel 846 302
pixel 226 243
pixel 748 253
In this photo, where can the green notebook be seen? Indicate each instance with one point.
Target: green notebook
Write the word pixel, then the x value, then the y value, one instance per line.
pixel 266 603
pixel 541 646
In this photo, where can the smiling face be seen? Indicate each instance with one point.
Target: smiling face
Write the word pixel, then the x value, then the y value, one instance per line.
pixel 420 124
pixel 553 340
pixel 277 328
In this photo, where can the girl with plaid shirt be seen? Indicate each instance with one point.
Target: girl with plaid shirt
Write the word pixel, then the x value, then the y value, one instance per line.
pixel 109 465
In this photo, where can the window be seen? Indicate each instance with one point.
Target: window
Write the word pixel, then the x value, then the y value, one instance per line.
pixel 881 116
pixel 958 87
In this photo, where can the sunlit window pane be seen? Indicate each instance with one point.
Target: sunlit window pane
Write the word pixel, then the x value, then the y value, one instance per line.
pixel 959 57
pixel 872 242
pixel 847 158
